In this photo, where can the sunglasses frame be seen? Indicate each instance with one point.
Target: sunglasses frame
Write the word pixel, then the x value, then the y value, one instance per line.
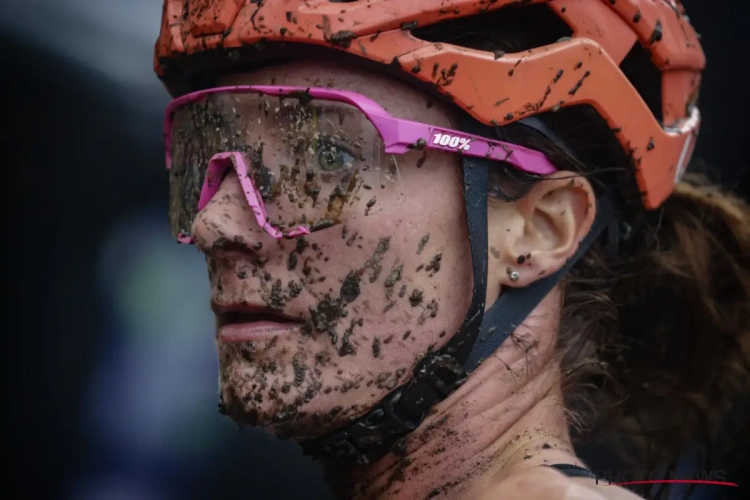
pixel 399 136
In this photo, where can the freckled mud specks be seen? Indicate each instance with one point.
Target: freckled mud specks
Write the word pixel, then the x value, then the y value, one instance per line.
pixel 416 297
pixel 295 288
pixel 300 369
pixel 404 469
pixel 350 288
pixel 374 263
pixel 430 311
pixel 346 345
pixel 422 243
pixel 301 245
pixel 292 263
pixel 274 298
pixel 434 265
pixel 352 239
pixel 394 275
pixel 398 473
pixel 376 347
pixel 326 314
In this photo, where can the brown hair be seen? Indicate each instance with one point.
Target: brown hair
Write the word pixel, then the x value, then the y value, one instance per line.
pixel 659 338
pixel 654 338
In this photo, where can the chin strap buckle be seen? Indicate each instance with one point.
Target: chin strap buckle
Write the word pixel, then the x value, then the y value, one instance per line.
pixel 372 436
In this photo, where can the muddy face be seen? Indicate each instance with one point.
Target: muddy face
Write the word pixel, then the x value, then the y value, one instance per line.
pixel 366 298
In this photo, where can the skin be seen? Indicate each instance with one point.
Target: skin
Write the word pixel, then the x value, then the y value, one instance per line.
pixel 488 439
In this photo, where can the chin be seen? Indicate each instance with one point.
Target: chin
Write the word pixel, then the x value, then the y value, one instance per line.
pixel 284 393
pixel 297 418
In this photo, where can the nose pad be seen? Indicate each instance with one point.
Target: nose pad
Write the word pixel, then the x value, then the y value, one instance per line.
pixel 225 217
pixel 218 167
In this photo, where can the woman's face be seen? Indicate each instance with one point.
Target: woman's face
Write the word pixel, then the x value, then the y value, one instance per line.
pixel 370 297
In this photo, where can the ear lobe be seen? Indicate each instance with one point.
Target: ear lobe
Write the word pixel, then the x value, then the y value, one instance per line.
pixel 549 223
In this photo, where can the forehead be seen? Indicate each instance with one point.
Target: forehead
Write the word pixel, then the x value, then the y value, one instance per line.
pixel 397 97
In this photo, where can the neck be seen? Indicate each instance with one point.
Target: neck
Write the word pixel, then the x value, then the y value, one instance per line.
pixel 509 414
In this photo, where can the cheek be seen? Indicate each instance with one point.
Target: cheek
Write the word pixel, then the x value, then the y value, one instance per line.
pixel 415 288
pixel 422 282
pixel 397 284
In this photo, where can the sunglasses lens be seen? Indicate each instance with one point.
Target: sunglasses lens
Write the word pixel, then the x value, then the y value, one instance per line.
pixel 314 162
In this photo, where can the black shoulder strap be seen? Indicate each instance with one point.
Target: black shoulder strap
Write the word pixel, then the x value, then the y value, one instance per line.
pixel 571 470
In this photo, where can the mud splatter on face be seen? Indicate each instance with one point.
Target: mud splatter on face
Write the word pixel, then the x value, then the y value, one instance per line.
pixel 394 275
pixel 374 263
pixel 350 289
pixel 347 348
pixel 362 313
pixel 326 314
pixel 292 261
pixel 298 362
pixel 434 265
pixel 275 299
pixel 352 239
pixel 430 311
pixel 295 288
pixel 416 297
pixel 376 347
pixel 422 242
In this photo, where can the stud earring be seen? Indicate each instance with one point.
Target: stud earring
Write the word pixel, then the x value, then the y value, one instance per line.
pixel 513 275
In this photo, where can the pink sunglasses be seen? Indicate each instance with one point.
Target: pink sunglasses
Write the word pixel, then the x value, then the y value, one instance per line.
pixel 398 135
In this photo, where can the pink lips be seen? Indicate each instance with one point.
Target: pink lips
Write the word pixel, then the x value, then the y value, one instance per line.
pixel 254 331
pixel 245 322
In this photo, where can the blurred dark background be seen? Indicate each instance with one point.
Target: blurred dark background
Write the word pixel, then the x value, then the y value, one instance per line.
pixel 109 359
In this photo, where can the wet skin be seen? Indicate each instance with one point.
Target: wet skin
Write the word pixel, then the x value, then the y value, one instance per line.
pixel 370 297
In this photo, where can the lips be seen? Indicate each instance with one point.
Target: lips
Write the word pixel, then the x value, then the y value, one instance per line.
pixel 244 322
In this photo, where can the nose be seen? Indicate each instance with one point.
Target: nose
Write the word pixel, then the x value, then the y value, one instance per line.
pixel 228 218
pixel 235 162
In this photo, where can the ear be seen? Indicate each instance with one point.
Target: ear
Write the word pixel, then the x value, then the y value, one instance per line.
pixel 536 235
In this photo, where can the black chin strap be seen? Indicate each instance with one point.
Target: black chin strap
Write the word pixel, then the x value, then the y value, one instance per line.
pixel 440 373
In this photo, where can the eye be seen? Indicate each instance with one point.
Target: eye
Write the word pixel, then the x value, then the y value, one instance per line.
pixel 333 157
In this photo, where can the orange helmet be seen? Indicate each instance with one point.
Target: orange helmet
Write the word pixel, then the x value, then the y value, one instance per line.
pixel 583 68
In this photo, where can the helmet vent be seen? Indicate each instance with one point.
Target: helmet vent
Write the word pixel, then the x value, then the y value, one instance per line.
pixel 503 30
pixel 645 77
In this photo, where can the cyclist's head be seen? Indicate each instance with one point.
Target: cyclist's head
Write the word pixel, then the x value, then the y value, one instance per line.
pixel 375 293
pixel 380 173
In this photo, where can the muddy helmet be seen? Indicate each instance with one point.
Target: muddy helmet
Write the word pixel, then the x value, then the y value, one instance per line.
pixel 638 63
